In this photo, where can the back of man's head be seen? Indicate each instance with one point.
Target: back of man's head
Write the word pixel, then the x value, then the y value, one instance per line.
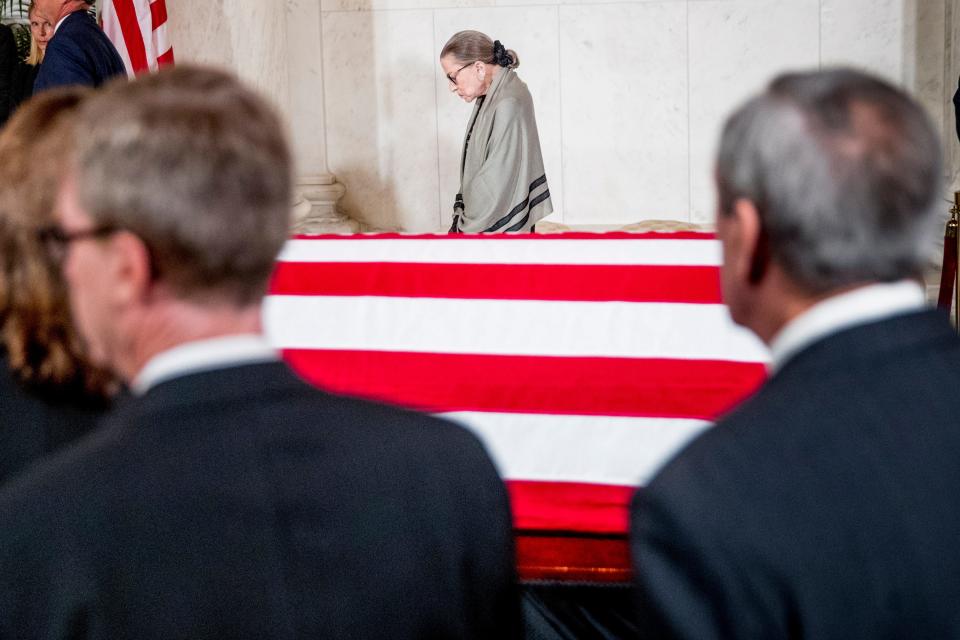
pixel 197 166
pixel 843 169
pixel 54 10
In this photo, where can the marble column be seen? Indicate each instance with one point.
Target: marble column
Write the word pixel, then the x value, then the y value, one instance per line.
pixel 318 187
pixel 275 46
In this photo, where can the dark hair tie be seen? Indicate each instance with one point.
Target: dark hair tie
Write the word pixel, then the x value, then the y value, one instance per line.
pixel 500 55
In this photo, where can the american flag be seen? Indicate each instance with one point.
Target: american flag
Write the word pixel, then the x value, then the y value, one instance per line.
pixel 583 361
pixel 138 29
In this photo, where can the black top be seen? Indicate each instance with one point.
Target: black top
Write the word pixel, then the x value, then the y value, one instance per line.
pixel 243 503
pixel 16 76
pixel 36 421
pixel 23 79
pixel 823 507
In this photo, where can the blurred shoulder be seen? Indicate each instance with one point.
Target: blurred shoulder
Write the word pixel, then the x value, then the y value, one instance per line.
pixel 725 458
pixel 405 428
pixel 60 486
pixel 358 419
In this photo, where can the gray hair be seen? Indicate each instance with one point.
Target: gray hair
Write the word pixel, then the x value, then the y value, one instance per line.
pixel 197 166
pixel 844 170
pixel 468 46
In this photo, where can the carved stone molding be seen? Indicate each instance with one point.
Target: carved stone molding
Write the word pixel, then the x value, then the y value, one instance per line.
pixel 316 208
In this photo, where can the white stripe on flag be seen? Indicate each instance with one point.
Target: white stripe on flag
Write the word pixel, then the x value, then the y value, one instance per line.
pixel 457 251
pixel 593 449
pixel 161 43
pixel 509 327
pixel 111 27
pixel 145 22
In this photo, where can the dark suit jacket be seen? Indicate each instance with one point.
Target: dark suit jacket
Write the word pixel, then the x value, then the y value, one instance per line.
pixel 78 53
pixel 35 422
pixel 242 503
pixel 824 507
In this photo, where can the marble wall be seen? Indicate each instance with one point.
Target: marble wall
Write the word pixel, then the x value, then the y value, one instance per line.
pixel 630 95
pixel 247 37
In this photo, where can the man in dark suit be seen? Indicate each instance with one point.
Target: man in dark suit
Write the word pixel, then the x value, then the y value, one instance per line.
pixel 227 498
pixel 825 506
pixel 79 52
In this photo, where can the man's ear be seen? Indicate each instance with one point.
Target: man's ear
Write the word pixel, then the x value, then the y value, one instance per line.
pixel 132 266
pixel 754 254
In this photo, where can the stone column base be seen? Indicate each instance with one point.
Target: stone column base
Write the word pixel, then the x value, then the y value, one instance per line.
pixel 315 209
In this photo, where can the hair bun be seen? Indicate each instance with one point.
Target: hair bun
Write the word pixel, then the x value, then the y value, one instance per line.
pixel 500 55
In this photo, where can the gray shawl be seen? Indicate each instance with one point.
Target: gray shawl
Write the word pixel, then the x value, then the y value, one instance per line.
pixel 503 186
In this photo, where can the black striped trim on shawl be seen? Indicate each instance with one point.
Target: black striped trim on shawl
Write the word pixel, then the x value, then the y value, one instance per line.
pixel 540 198
pixel 526 204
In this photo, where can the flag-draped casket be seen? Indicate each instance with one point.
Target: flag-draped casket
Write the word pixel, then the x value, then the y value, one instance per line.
pixel 583 361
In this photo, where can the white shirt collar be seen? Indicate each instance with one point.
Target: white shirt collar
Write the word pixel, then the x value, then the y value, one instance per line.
pixel 60 22
pixel 202 355
pixel 860 306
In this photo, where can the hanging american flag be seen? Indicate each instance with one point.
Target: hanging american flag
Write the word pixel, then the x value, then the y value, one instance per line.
pixel 138 29
pixel 583 361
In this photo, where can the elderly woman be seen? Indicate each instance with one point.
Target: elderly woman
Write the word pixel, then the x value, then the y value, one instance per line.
pixel 49 393
pixel 503 187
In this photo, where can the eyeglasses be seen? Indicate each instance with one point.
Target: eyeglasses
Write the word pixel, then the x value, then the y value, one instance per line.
pixel 56 241
pixel 452 77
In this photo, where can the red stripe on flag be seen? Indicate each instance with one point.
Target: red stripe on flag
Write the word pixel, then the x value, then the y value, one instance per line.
pixel 132 38
pixel 165 58
pixel 158 13
pixel 569 506
pixel 629 283
pixel 437 382
pixel 573 559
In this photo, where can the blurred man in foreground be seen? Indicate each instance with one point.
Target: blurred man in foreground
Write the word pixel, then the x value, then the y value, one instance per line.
pixel 825 506
pixel 228 499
